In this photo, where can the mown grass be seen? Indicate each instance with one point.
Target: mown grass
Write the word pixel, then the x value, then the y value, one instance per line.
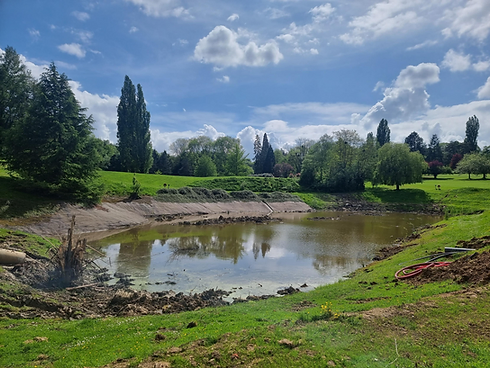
pixel 418 328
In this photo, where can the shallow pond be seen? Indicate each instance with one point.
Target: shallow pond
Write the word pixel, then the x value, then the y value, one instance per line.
pixel 254 259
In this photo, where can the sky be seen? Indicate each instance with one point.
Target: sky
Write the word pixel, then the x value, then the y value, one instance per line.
pixel 293 69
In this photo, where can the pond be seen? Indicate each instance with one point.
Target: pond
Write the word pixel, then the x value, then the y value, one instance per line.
pixel 253 259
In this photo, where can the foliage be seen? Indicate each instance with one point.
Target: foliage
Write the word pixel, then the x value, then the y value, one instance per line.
pixel 205 167
pixel 455 160
pixel 236 162
pixel 133 129
pixel 435 168
pixel 255 184
pixel 416 143
pixel 475 163
pixel 54 144
pixel 265 160
pixel 383 133
pixel 283 170
pixel 434 151
pixel 398 166
pixel 16 86
pixel 470 140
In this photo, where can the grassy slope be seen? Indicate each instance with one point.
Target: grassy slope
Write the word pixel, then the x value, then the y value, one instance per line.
pixel 421 328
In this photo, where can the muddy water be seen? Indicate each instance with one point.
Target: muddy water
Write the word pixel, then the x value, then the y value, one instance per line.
pixel 253 259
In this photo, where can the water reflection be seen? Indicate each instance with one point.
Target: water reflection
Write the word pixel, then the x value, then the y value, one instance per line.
pixel 258 258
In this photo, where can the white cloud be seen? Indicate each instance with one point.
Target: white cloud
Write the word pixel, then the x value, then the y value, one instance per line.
pixel 225 79
pixel 84 36
pixel 422 45
pixel 34 33
pixel 102 108
pixel 274 13
pixel 162 8
pixel 314 51
pixel 322 12
pixel 133 29
pixel 456 62
pixel 162 140
pixel 386 17
pixel 221 47
pixel 484 91
pixel 407 97
pixel 481 66
pixel 81 16
pixel 74 49
pixel 233 17
pixel 472 20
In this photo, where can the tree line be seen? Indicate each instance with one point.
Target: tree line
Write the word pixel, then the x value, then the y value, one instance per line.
pixel 46 138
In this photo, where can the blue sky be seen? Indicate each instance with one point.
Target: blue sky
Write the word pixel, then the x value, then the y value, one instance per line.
pixel 291 68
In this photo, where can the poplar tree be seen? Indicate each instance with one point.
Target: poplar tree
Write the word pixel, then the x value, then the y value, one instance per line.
pixel 470 141
pixel 383 133
pixel 133 129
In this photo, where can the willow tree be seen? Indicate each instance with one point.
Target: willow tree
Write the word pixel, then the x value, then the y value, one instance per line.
pixel 133 129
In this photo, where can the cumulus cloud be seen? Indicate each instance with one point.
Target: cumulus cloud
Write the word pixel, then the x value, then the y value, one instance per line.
pixel 102 108
pixel 233 17
pixel 162 8
pixel 386 17
pixel 456 62
pixel 484 91
pixel 74 49
pixel 133 29
pixel 407 97
pixel 459 62
pixel 221 47
pixel 162 140
pixel 81 16
pixel 471 20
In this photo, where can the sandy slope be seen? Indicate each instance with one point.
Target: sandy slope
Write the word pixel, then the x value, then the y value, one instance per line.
pixel 120 215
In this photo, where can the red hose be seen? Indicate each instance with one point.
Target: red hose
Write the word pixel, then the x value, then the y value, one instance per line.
pixel 415 269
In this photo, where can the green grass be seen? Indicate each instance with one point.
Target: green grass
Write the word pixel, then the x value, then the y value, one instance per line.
pixel 420 328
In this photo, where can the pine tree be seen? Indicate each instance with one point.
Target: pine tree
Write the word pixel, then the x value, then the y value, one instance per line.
pixel 434 151
pixel 415 143
pixel 54 144
pixel 16 87
pixel 133 129
pixel 267 158
pixel 383 133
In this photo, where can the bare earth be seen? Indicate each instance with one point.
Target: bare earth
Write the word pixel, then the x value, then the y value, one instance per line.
pixel 113 217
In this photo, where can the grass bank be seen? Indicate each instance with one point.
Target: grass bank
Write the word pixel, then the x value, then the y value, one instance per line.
pixel 366 320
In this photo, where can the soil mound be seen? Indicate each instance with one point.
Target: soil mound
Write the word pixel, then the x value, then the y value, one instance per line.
pixel 471 269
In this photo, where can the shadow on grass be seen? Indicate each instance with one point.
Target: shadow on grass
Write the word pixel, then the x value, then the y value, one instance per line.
pixel 18 203
pixel 385 195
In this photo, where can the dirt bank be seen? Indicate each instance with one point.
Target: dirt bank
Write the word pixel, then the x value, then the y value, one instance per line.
pixel 115 216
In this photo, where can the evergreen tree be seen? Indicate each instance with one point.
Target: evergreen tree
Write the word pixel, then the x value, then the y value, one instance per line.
pixel 257 155
pixel 133 129
pixel 54 144
pixel 434 151
pixel 267 158
pixel 470 141
pixel 237 161
pixel 16 87
pixel 416 143
pixel 383 133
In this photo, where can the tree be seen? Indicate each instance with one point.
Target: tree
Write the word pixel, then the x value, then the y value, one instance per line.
pixel 434 151
pixel 267 158
pixel 474 163
pixel 397 165
pixel 416 143
pixel 133 129
pixel 282 170
pixel 16 87
pixel 383 133
pixel 54 144
pixel 257 155
pixel 205 167
pixel 220 150
pixel 454 160
pixel 470 141
pixel 435 168
pixel 236 163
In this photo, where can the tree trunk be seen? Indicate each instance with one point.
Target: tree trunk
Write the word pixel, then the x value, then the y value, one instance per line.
pixel 398 187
